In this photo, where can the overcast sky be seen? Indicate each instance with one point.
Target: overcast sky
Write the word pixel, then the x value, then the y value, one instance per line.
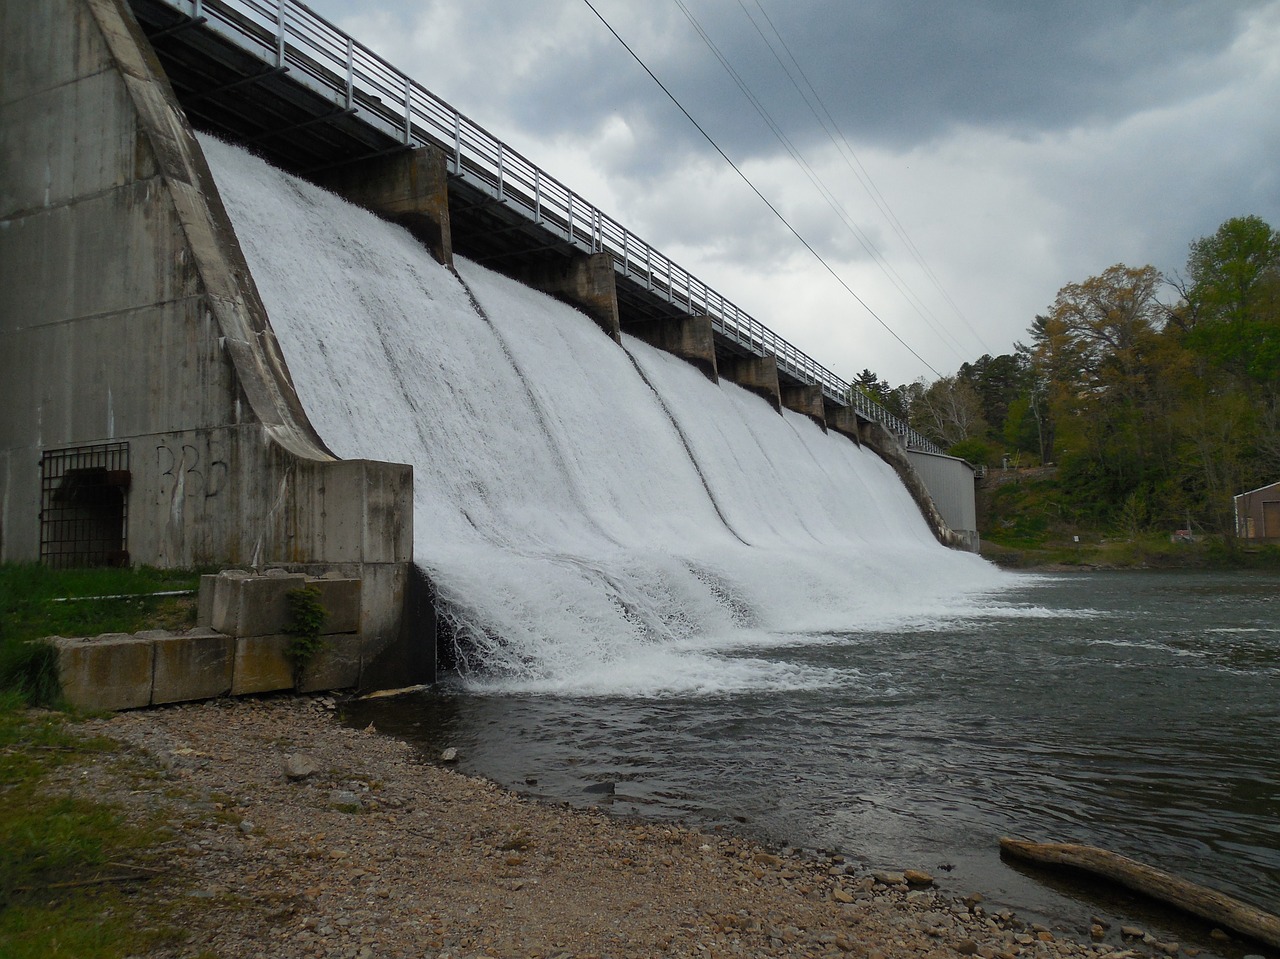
pixel 977 156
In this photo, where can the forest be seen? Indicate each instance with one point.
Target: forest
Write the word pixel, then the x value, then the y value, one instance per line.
pixel 1155 397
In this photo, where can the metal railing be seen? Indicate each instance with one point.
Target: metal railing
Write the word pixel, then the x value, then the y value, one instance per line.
pixel 290 37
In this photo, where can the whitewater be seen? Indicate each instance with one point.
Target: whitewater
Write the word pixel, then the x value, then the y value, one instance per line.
pixel 595 519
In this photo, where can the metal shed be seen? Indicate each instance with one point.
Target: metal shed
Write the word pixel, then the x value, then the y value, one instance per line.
pixel 1258 513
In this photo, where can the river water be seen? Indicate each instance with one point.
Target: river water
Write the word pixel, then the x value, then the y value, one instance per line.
pixel 1136 711
pixel 736 617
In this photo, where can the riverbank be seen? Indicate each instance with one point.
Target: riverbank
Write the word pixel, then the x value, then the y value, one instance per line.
pixel 291 835
pixel 1147 552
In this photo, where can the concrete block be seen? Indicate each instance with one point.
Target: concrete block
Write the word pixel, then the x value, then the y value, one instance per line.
pixel 254 605
pixel 191 667
pixel 341 601
pixel 260 665
pixel 337 666
pixel 112 671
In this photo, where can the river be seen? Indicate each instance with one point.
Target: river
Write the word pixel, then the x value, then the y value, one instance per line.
pixel 1136 711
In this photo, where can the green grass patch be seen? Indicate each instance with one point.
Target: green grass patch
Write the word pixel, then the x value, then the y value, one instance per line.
pixel 70 866
pixel 30 609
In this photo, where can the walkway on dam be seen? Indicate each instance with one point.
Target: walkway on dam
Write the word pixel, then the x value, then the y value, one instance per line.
pixel 276 77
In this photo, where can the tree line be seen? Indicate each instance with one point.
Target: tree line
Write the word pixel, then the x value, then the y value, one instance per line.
pixel 1157 396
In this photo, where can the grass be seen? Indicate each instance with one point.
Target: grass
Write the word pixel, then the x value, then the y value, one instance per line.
pixel 74 874
pixel 29 611
pixel 70 866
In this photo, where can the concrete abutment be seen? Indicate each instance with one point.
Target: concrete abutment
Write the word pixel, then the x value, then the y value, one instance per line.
pixel 133 341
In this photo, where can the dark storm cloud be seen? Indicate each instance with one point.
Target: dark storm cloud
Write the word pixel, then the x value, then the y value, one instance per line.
pixel 891 73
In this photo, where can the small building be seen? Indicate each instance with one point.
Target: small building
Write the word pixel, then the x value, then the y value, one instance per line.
pixel 1258 513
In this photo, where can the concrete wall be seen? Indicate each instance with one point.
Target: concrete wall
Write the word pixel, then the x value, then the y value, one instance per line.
pixel 950 483
pixel 128 315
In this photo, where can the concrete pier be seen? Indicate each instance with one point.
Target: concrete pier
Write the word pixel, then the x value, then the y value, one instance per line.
pixel 759 374
pixel 410 188
pixel 689 337
pixel 806 400
pixel 585 281
pixel 842 419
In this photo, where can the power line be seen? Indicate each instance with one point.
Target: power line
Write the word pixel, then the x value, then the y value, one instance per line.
pixel 895 278
pixel 852 160
pixel 763 199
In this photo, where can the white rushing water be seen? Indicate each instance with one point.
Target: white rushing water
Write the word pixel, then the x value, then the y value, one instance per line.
pixel 595 519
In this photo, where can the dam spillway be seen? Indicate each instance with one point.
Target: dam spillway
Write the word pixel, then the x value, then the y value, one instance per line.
pixel 575 498
pixel 592 517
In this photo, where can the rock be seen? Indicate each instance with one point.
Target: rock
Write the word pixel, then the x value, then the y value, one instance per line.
pixel 343 797
pixel 246 826
pixel 915 877
pixel 967 947
pixel 300 766
pixel 1131 932
pixel 890 878
pixel 450 755
pixel 839 895
pixel 600 789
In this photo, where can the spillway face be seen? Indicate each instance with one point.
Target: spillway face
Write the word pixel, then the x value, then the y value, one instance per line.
pixel 148 416
pixel 594 518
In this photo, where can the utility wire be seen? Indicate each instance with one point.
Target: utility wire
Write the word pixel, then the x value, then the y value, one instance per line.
pixel 852 160
pixel 763 199
pixel 894 277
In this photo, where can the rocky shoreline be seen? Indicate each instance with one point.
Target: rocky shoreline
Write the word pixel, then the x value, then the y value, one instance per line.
pixel 291 835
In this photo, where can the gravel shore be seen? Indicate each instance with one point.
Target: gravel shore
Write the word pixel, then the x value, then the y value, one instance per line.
pixel 296 836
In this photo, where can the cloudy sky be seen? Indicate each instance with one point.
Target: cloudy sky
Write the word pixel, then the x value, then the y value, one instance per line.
pixel 964 160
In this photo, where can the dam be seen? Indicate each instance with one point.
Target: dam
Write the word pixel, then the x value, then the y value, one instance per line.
pixel 208 360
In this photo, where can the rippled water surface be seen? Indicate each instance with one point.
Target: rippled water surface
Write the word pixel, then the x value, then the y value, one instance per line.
pixel 1135 711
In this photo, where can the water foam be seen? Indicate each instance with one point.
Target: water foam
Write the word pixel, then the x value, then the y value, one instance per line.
pixel 595 519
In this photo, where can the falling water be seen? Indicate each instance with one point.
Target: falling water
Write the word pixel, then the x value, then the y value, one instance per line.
pixel 595 519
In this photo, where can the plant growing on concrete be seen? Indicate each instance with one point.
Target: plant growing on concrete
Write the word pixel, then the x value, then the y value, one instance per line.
pixel 306 617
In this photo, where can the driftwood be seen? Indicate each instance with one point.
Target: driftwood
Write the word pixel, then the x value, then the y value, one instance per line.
pixel 1201 901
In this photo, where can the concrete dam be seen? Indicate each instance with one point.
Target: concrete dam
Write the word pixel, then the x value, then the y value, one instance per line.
pixel 208 360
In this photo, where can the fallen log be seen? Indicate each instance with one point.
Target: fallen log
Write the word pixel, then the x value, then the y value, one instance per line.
pixel 1199 900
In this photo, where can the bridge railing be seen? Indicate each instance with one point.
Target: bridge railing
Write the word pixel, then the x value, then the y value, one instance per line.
pixel 287 35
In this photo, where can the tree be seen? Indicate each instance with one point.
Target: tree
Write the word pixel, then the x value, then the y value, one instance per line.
pixel 998 381
pixel 1096 359
pixel 948 411
pixel 1232 273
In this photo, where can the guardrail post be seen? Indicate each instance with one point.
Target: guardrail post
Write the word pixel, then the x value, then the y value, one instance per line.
pixel 351 72
pixel 280 10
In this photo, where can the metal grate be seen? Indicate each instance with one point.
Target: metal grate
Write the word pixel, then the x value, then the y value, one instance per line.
pixel 84 506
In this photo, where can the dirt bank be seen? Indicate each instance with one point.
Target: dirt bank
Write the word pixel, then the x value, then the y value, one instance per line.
pixel 295 836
